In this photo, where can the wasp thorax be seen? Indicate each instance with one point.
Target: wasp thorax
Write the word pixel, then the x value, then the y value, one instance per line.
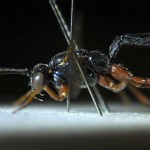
pixel 39 77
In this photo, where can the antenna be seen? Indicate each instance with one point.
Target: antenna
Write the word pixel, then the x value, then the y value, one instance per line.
pixel 71 19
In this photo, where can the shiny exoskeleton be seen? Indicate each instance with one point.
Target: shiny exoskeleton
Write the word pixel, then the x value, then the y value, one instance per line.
pixel 97 67
pixel 60 72
pixel 93 63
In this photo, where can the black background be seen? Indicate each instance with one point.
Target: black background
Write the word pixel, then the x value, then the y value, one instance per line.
pixel 30 34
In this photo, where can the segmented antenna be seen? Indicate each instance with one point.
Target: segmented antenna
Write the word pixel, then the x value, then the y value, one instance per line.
pixel 60 20
pixel 71 19
pixel 67 34
pixel 14 71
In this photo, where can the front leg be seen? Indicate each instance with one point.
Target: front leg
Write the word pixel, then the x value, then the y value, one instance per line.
pixel 141 40
pixel 63 92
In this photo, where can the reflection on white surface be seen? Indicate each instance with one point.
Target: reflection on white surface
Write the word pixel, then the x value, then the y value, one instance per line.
pixel 55 120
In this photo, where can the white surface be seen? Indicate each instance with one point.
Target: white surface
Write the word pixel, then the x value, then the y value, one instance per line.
pixel 54 120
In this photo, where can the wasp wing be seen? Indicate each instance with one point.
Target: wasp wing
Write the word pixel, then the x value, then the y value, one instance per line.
pixel 75 77
pixel 72 44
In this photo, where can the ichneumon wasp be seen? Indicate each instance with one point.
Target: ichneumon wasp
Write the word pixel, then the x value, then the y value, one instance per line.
pixel 89 67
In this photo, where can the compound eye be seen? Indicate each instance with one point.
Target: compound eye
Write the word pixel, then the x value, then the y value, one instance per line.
pixel 38 81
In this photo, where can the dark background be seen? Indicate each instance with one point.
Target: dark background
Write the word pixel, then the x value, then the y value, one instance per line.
pixel 29 34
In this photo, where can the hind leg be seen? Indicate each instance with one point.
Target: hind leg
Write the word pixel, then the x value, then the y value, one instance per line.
pixel 108 83
pixel 139 40
pixel 121 73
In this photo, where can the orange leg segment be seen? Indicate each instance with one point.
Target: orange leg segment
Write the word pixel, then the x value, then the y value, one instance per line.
pixel 139 95
pixel 28 99
pixel 121 73
pixel 63 92
pixel 22 98
pixel 108 83
pixel 124 97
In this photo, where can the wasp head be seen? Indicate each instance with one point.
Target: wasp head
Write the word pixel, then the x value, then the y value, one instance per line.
pixel 40 76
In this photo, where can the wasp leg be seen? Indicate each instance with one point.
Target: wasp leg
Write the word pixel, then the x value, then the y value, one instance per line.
pixel 110 84
pixel 125 99
pixel 104 107
pixel 141 40
pixel 139 95
pixel 22 98
pixel 27 101
pixel 121 73
pixel 68 103
pixel 63 92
